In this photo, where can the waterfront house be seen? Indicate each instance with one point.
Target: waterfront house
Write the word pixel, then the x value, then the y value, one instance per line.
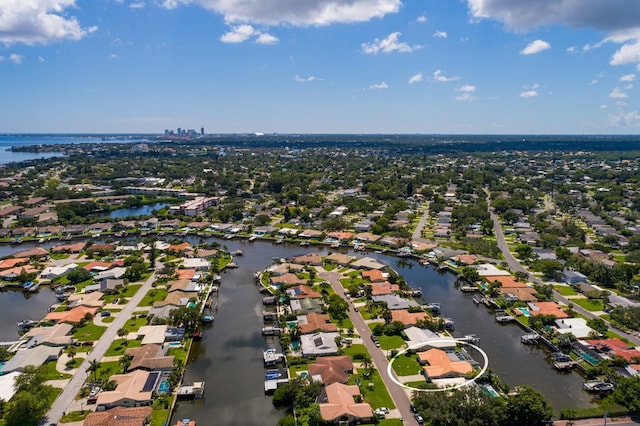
pixel 176 299
pixel 576 326
pixel 24 232
pixel 303 292
pixel 132 391
pixel 34 355
pixel 547 308
pixel 319 344
pixel 394 301
pixel 97 228
pixel 310 234
pixel 151 357
pixel 408 318
pixel 52 272
pixel 196 263
pixel 313 259
pixel 75 229
pixel 331 369
pixel 367 263
pixel 287 279
pixel 71 316
pixel 305 306
pixel 185 286
pixel 340 405
pixel 313 322
pixel 37 252
pixel 375 276
pixel 8 385
pixel 418 338
pixel 120 416
pixel 150 334
pixel 383 288
pixel 609 348
pixel 339 259
pixel 489 270
pixel 69 248
pixel 440 366
pixel 12 274
pixel 57 335
pixel 367 237
pixel 12 263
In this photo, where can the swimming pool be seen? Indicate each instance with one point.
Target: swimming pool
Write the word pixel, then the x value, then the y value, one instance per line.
pixel 164 387
pixel 174 345
pixel 525 312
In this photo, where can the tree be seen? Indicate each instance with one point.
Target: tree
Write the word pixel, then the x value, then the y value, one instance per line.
pixel 94 366
pixel 524 251
pixel 72 352
pixel 25 409
pixel 598 325
pixel 125 362
pixel 528 407
pixel 338 307
pixel 78 275
pixel 627 393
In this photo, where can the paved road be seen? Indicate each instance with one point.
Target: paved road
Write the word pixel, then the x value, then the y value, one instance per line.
pixel 417 233
pixel 515 266
pixel 398 394
pixel 68 394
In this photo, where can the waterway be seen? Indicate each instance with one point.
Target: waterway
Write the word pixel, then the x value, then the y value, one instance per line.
pixel 16 305
pixel 136 211
pixel 229 358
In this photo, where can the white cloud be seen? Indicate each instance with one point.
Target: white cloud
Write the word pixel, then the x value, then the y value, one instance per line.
pixel 535 46
pixel 416 78
pixel 422 19
pixel 627 119
pixel 617 93
pixel 39 21
pixel 305 79
pixel 40 59
pixel 15 58
pixel 593 82
pixel 113 56
pixel 439 76
pixel 627 54
pixel 468 88
pixel 388 45
pixel 529 93
pixel 265 38
pixel 571 50
pixel 628 77
pixel 440 34
pixel 294 12
pixel 137 5
pixel 238 34
pixel 621 103
pixel 377 86
pixel 603 106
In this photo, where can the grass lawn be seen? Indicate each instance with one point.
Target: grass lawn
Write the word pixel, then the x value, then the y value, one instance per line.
pixel 160 414
pixel 590 304
pixel 52 373
pixel 134 324
pixel 373 390
pixel 77 361
pixel 295 369
pixel 108 369
pixel 416 384
pixel 131 290
pixel 406 365
pixel 108 319
pixel 354 349
pixel 374 313
pixel 345 323
pixel 83 284
pixel 75 416
pixel 179 353
pixel 153 295
pixel 565 290
pixel 58 256
pixel 118 346
pixel 89 332
pixel 390 342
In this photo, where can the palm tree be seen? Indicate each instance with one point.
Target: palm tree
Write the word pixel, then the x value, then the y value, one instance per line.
pixel 367 365
pixel 72 352
pixel 94 366
pixel 125 362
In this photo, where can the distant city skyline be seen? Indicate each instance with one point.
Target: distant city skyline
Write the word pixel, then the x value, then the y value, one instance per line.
pixel 322 66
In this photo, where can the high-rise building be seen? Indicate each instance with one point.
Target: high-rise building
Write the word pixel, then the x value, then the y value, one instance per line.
pixel 202 131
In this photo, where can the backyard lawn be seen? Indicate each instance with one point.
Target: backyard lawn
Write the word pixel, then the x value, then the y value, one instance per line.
pixel 51 372
pixel 153 295
pixel 390 342
pixel 134 324
pixel 354 349
pixel 373 390
pixel 565 290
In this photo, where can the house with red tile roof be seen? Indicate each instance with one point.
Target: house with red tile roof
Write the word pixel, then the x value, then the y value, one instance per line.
pixel 120 416
pixel 332 369
pixel 341 404
pixel 342 237
pixel 13 273
pixel 303 292
pixel 406 317
pixel 506 281
pixel 613 347
pixel 185 274
pixel 69 248
pixel 71 316
pixel 287 279
pixel 12 263
pixel 313 322
pixel 34 252
pixel 374 275
pixel 379 289
pixel 547 308
pixel 440 366
pixel 309 259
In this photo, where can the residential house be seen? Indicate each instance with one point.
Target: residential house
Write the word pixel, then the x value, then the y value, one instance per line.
pixel 319 344
pixel 150 357
pixel 341 406
pixel 71 316
pixel 331 369
pixel 314 322
pixel 408 318
pixel 120 416
pixel 132 391
pixel 339 259
pixel 313 259
pixel 394 301
pixel 287 279
pixel 440 366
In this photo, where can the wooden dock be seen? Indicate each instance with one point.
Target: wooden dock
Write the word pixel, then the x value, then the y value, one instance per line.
pixel 530 338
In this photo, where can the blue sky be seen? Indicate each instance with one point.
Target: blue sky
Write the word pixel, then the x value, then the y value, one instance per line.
pixel 320 66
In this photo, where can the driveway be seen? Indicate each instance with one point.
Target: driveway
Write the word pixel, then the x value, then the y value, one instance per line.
pixel 68 394
pixel 398 394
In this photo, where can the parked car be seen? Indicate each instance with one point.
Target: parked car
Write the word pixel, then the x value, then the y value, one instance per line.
pixel 105 314
pixel 418 418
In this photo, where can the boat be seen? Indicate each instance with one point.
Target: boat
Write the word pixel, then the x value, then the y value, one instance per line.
pixel 304 243
pixel 34 288
pixel 237 253
pixel 26 324
pixel 335 245
pixel 279 241
pixel 598 386
pixel 28 285
pixel 252 238
pixel 197 335
pixel 207 319
pixel 469 338
pixel 185 422
pixel 232 265
pixel 469 288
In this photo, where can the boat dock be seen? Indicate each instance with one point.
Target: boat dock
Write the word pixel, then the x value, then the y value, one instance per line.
pixel 269 316
pixel 530 338
pixel 271 331
pixel 271 357
pixel 504 317
pixel 193 391
pixel 270 386
pixel 598 385
pixel 469 288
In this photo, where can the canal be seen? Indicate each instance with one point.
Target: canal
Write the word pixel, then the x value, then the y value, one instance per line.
pixel 229 358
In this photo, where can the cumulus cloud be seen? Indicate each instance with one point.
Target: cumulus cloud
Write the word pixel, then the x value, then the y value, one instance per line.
pixel 242 33
pixel 416 78
pixel 440 34
pixel 467 88
pixel 617 93
pixel 529 94
pixel 627 119
pixel 39 21
pixel 421 19
pixel 137 5
pixel 466 95
pixel 571 50
pixel 388 45
pixel 306 79
pixel 294 12
pixel 628 77
pixel 378 86
pixel 617 18
pixel 438 75
pixel 535 46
